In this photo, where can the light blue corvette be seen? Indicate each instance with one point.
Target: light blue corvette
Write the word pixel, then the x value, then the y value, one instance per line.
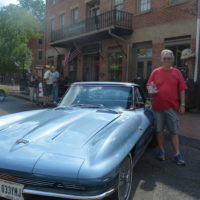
pixel 85 148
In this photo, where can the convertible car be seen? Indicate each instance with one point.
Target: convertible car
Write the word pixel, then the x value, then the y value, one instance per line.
pixel 85 148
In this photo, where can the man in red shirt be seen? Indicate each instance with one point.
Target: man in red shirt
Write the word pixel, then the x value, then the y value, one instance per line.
pixel 166 85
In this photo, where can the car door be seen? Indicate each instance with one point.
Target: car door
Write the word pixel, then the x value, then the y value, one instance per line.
pixel 145 127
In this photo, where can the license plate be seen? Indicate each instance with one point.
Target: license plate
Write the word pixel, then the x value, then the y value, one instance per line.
pixel 11 190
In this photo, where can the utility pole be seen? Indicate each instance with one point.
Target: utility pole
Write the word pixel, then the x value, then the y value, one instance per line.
pixel 197 63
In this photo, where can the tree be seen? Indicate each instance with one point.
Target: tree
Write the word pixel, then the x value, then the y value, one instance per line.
pixel 17 26
pixel 37 7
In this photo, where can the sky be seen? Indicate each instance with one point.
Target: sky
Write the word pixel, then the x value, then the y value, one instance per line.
pixel 6 2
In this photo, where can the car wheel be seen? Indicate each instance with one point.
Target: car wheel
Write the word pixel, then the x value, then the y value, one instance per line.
pixel 125 183
pixel 2 95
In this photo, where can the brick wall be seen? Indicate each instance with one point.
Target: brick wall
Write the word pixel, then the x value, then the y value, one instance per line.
pixel 157 48
pixel 162 12
pixel 162 21
pixel 35 48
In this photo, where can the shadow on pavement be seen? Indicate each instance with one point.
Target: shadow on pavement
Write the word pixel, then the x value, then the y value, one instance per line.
pixel 164 180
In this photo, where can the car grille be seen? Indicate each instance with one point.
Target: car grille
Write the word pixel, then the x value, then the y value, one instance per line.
pixel 41 183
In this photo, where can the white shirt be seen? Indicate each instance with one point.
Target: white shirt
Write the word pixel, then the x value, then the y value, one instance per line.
pixel 48 77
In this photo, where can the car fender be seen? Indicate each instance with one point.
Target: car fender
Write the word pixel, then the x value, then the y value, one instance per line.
pixel 111 145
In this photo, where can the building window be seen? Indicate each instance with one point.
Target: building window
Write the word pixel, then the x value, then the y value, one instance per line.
pixel 144 5
pixel 40 41
pixel 52 24
pixel 62 20
pixel 177 45
pixel 72 70
pixel 144 62
pixel 93 8
pixel 50 60
pixel 177 50
pixel 74 15
pixel 115 61
pixel 40 55
pixel 118 4
pixel 142 52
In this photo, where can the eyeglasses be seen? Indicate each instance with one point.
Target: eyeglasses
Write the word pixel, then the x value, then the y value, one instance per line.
pixel 167 58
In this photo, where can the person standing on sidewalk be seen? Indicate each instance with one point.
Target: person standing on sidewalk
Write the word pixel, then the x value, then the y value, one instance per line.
pixel 166 85
pixel 32 88
pixel 47 87
pixel 55 77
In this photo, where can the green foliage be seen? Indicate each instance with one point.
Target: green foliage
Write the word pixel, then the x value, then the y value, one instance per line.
pixel 37 7
pixel 17 26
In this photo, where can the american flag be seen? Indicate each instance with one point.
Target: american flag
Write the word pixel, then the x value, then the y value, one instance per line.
pixel 73 53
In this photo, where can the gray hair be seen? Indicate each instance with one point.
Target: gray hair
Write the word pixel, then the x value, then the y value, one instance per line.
pixel 167 51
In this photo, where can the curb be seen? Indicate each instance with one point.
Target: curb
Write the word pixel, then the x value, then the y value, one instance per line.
pixel 20 96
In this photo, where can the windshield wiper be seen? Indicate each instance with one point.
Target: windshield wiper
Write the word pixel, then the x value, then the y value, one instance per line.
pixel 88 105
pixel 108 110
pixel 101 107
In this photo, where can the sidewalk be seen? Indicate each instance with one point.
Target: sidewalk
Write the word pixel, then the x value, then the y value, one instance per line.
pixel 190 125
pixel 20 95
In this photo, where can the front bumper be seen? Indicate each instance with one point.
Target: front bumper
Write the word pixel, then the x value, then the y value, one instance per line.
pixel 57 194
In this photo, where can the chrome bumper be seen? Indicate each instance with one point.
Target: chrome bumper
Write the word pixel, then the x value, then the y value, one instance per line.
pixel 67 196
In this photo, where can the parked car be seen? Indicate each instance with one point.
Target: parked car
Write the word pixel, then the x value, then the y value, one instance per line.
pixel 85 148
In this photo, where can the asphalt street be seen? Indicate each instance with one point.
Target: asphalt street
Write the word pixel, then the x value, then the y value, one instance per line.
pixel 153 180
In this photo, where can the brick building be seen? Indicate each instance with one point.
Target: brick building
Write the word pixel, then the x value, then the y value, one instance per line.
pixel 119 40
pixel 37 46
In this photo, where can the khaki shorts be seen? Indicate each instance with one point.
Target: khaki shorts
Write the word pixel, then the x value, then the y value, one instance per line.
pixel 166 119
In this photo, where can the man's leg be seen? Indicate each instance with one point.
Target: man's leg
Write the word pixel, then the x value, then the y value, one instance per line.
pixel 49 99
pixel 160 140
pixel 175 143
pixel 44 100
pixel 56 93
pixel 172 122
pixel 53 93
pixel 159 126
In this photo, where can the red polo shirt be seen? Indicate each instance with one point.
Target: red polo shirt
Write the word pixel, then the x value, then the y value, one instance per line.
pixel 169 83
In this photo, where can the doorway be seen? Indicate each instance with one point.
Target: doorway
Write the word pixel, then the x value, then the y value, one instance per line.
pixel 91 67
pixel 144 68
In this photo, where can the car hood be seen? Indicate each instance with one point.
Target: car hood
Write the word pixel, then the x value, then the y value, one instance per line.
pixel 58 131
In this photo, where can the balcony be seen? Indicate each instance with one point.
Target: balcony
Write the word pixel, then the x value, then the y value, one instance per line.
pixel 94 29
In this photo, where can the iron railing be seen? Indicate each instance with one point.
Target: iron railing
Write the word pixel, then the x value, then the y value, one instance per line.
pixel 117 18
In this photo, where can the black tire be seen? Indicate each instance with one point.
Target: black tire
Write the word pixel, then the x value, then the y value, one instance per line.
pixel 125 177
pixel 2 95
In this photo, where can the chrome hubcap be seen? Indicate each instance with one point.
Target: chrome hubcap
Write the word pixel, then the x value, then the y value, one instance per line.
pixel 125 179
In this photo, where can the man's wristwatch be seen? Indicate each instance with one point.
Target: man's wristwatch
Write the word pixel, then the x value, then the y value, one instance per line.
pixel 183 105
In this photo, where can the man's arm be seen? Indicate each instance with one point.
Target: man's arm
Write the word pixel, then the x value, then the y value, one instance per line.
pixel 182 101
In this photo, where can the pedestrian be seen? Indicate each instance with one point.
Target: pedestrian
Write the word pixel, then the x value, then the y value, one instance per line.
pixel 167 87
pixel 36 89
pixel 47 86
pixel 31 87
pixel 55 77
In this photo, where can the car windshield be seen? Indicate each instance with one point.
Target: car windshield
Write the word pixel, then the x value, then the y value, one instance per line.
pixel 112 97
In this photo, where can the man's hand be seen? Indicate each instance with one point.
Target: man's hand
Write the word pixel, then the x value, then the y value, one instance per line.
pixel 182 110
